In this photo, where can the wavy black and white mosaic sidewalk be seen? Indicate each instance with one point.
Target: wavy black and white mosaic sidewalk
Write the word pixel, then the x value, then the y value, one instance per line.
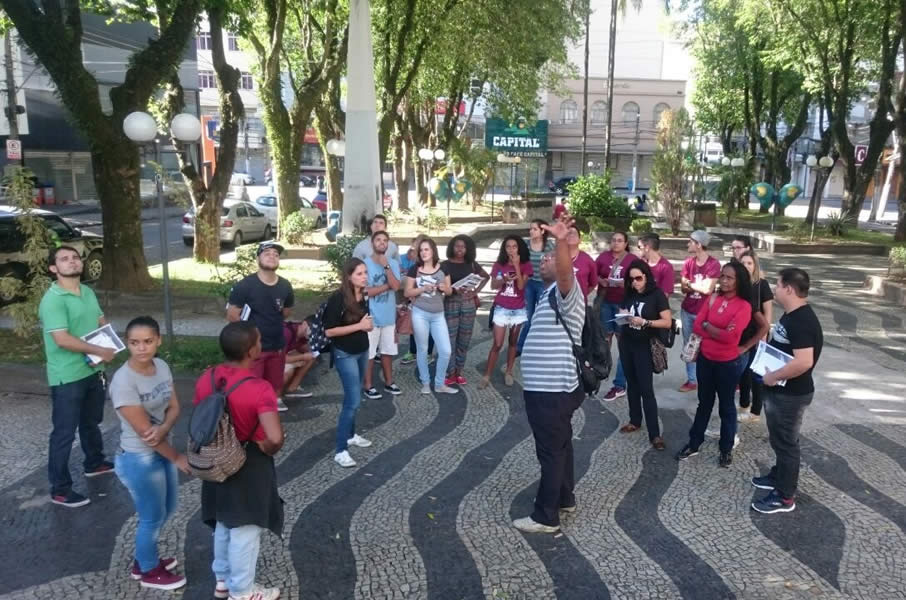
pixel 427 512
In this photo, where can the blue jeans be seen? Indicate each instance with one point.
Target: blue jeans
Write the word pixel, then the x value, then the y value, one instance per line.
pixel 716 378
pixel 688 321
pixel 76 405
pixel 351 369
pixel 236 556
pixel 153 483
pixel 435 323
pixel 533 291
pixel 609 310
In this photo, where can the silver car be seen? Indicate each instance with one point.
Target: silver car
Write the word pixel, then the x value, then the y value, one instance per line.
pixel 239 222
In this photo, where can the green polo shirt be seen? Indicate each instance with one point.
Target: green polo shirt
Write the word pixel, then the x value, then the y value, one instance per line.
pixel 61 310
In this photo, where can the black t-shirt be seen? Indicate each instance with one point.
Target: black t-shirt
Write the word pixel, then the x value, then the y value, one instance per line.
pixel 796 330
pixel 761 293
pixel 335 315
pixel 648 306
pixel 266 303
pixel 458 271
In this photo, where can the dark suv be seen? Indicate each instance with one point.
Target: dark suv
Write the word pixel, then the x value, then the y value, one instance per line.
pixel 559 186
pixel 12 258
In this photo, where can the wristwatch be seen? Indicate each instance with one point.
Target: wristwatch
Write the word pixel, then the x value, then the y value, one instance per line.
pixel 386 267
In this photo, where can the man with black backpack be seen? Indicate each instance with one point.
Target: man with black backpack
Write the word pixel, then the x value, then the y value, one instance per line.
pixel 552 387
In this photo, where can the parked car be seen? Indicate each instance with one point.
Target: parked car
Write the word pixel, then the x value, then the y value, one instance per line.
pixel 239 222
pixel 559 186
pixel 13 262
pixel 240 178
pixel 268 205
pixel 320 201
pixel 308 181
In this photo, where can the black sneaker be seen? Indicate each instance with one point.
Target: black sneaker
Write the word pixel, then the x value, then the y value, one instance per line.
pixel 725 460
pixel 687 452
pixel 70 499
pixel 373 394
pixel 393 389
pixel 774 503
pixel 105 468
pixel 764 483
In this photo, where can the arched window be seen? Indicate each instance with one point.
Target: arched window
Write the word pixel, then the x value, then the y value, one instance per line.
pixel 569 112
pixel 599 113
pixel 659 109
pixel 630 113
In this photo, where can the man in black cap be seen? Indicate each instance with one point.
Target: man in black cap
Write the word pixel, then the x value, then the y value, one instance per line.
pixel 265 299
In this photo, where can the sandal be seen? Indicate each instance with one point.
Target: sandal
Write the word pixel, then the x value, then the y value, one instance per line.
pixel 658 443
pixel 629 428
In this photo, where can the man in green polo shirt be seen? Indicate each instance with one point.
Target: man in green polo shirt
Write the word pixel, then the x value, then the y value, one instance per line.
pixel 68 311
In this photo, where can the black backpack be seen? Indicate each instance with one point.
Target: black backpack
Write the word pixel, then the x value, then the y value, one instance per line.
pixel 593 362
pixel 317 338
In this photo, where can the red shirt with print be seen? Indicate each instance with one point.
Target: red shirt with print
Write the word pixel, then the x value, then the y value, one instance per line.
pixel 509 295
pixel 246 402
pixel 608 267
pixel 694 301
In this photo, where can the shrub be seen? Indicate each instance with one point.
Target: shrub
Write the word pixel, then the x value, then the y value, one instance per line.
pixel 296 228
pixel 246 263
pixel 597 224
pixel 435 222
pixel 340 252
pixel 640 226
pixel 799 231
pixel 838 223
pixel 591 196
pixel 897 268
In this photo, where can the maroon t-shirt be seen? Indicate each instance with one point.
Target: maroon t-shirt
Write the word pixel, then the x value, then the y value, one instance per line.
pixel 509 295
pixel 586 272
pixel 247 401
pixel 609 267
pixel 694 273
pixel 664 276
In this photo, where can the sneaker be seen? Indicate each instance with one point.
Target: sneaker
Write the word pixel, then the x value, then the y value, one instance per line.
pixel 485 382
pixel 160 578
pixel 765 482
pixel 747 417
pixel 70 499
pixel 407 359
pixel 344 460
pixel 712 433
pixel 774 503
pixel 568 509
pixel 167 563
pixel 281 406
pixel 614 393
pixel 688 387
pixel 393 389
pixel 529 525
pixel 259 593
pixel 460 380
pixel 508 379
pixel 658 443
pixel 687 452
pixel 300 392
pixel 359 441
pixel 736 441
pixel 450 381
pixel 105 468
pixel 445 389
pixel 426 388
pixel 221 590
pixel 372 394
pixel 725 459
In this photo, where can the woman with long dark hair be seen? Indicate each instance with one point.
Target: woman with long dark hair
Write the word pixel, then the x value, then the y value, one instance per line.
pixel 347 323
pixel 539 243
pixel 720 323
pixel 509 275
pixel 460 306
pixel 649 314
pixel 762 312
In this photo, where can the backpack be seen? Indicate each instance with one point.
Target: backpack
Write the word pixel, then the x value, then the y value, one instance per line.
pixel 317 338
pixel 214 453
pixel 593 362
pixel 668 336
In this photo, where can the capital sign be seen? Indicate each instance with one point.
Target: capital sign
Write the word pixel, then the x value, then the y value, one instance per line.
pixel 861 154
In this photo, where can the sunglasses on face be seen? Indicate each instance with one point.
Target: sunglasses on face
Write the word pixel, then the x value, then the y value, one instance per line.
pixel 639 278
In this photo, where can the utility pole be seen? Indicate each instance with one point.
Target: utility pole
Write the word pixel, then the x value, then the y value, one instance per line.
pixel 613 47
pixel 635 152
pixel 585 89
pixel 246 128
pixel 11 107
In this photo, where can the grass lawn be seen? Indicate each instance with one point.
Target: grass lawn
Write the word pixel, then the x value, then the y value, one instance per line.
pixel 757 220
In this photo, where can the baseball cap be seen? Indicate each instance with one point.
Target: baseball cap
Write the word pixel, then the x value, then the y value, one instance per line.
pixel 267 246
pixel 701 236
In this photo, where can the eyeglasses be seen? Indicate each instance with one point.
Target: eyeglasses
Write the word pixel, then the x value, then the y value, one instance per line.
pixel 639 278
pixel 738 247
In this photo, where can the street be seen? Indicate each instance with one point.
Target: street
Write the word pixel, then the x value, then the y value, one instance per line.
pixel 150 235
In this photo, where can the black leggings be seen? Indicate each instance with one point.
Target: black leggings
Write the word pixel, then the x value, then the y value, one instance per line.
pixel 635 356
pixel 748 386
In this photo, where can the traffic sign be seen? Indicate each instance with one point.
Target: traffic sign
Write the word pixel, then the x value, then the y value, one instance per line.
pixel 861 154
pixel 13 150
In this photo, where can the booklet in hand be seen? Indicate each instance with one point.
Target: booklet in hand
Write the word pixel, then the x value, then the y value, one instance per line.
pixel 768 358
pixel 105 337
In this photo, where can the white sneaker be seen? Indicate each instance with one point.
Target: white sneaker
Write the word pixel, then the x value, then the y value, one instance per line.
pixel 343 459
pixel 359 441
pixel 712 433
pixel 445 389
pixel 281 407
pixel 426 388
pixel 529 525
pixel 300 392
pixel 259 593
pixel 221 590
pixel 736 441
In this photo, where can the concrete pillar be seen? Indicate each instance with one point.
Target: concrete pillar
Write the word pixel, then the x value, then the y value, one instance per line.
pixel 362 180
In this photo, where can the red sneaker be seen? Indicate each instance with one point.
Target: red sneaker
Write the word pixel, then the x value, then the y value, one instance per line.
pixel 159 578
pixel 460 380
pixel 167 563
pixel 688 387
pixel 450 381
pixel 104 468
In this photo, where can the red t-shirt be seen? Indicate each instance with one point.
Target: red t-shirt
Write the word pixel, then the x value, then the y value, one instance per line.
pixel 558 210
pixel 609 268
pixel 510 296
pixel 693 301
pixel 586 272
pixel 664 276
pixel 722 313
pixel 249 400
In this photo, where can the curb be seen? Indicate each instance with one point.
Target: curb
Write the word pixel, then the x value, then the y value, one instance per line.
pixel 877 285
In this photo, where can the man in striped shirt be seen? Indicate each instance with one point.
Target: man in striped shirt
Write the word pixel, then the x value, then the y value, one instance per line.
pixel 551 384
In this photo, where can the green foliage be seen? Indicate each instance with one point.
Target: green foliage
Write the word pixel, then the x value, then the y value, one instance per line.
pixel 296 228
pixel 799 231
pixel 897 267
pixel 837 223
pixel 640 226
pixel 672 166
pixel 190 354
pixel 246 263
pixel 435 221
pixel 592 196
pixel 29 286
pixel 341 251
pixel 596 224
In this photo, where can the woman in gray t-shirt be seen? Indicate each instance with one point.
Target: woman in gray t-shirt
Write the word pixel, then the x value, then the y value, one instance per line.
pixel 145 400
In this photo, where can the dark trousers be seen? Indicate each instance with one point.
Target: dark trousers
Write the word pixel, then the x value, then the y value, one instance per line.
pixel 783 414
pixel 76 405
pixel 716 378
pixel 550 416
pixel 749 387
pixel 635 356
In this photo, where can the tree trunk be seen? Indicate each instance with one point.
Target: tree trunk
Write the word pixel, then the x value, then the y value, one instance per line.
pixel 900 234
pixel 814 204
pixel 420 184
pixel 400 180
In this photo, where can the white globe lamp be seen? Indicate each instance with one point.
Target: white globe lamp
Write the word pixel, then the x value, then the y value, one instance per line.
pixel 185 128
pixel 425 154
pixel 811 161
pixel 140 127
pixel 737 162
pixel 826 162
pixel 725 161
pixel 439 154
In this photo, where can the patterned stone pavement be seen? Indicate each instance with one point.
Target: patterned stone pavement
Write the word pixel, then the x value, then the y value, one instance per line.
pixel 427 512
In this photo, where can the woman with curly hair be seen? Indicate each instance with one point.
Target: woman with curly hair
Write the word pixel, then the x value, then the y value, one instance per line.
pixel 460 306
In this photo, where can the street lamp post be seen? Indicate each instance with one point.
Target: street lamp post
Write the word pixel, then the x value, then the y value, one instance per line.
pixel 336 149
pixel 141 128
pixel 824 164
pixel 429 157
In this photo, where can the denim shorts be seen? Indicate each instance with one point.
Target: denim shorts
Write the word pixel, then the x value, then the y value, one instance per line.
pixel 509 317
